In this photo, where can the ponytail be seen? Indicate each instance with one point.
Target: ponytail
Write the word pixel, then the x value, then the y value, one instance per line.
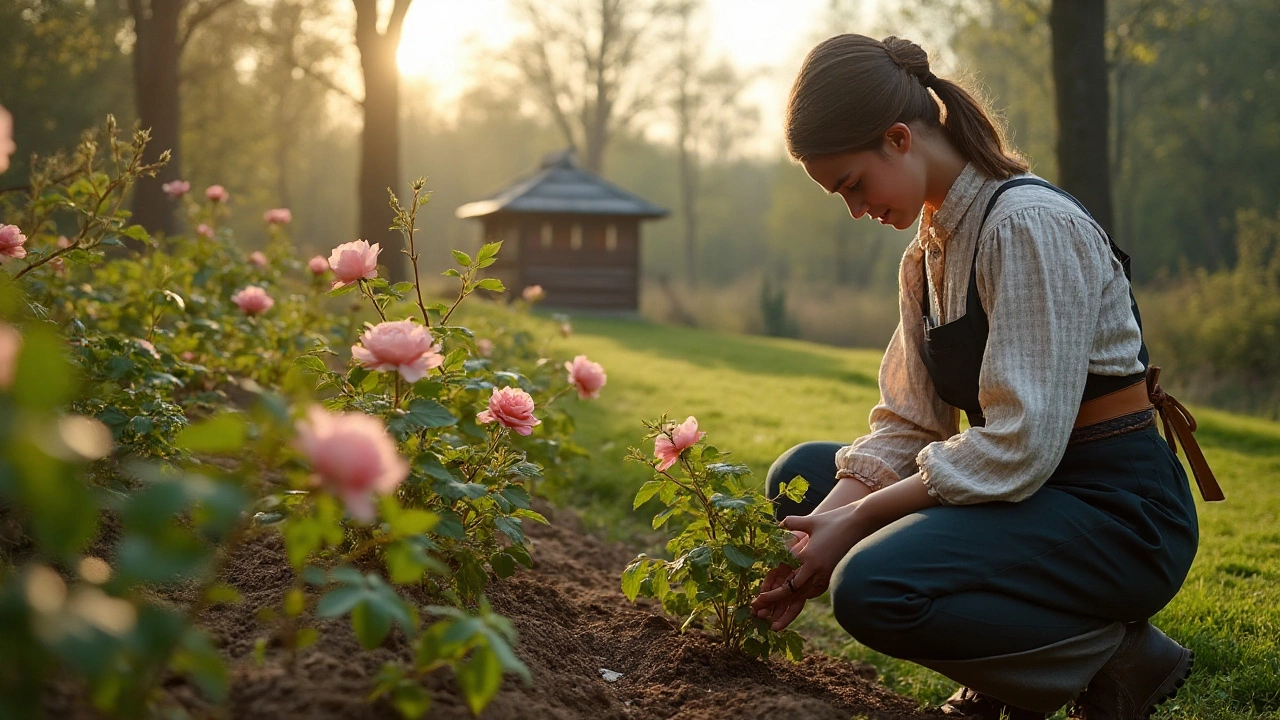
pixel 852 88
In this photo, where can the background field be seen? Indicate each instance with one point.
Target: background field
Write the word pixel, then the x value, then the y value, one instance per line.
pixel 756 397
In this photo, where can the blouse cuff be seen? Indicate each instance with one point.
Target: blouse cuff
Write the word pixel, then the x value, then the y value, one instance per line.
pixel 866 469
pixel 926 477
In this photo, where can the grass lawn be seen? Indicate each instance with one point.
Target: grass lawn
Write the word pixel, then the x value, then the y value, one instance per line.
pixel 757 397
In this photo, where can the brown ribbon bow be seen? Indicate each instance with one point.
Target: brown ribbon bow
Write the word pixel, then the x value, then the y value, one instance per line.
pixel 1179 424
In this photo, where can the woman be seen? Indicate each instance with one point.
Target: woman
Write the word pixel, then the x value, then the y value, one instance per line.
pixel 1023 556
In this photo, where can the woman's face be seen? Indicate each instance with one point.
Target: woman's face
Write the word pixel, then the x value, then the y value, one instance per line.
pixel 887 184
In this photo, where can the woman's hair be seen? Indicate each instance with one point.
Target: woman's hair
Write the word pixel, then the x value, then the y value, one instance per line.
pixel 852 88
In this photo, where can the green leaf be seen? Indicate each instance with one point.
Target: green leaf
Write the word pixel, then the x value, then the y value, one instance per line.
pixel 424 413
pixel 406 562
pixel 503 564
pixel 44 378
pixel 517 496
pixel 371 623
pixel 429 465
pixel 462 258
pixel 633 576
pixel 479 677
pixel 795 489
pixel 489 251
pixel 492 285
pixel 521 554
pixel 742 557
pixel 795 645
pixel 340 601
pixel 294 602
pixel 219 434
pixel 510 527
pixel 646 491
pixel 338 292
pixel 310 364
pixel 730 469
pixel 526 514
pixel 411 700
pixel 412 522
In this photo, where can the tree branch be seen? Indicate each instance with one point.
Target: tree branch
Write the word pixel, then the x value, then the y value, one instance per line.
pixel 206 10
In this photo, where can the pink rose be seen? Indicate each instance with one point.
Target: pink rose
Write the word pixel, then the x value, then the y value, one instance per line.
pixel 588 376
pixel 204 231
pixel 485 347
pixel 10 344
pixel 533 293
pixel 401 346
pixel 258 259
pixel 253 300
pixel 176 188
pixel 7 147
pixel 278 216
pixel 188 356
pixel 353 457
pixel 318 265
pixel 63 242
pixel 354 261
pixel 58 265
pixel 668 446
pixel 217 193
pixel 146 345
pixel 11 242
pixel 512 408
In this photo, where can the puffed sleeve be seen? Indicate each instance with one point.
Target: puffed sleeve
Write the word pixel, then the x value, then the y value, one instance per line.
pixel 910 415
pixel 1040 277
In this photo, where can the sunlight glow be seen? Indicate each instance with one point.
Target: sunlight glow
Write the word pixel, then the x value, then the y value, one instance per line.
pixel 441 39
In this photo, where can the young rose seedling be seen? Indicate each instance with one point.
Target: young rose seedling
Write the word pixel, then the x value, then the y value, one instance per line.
pixel 729 541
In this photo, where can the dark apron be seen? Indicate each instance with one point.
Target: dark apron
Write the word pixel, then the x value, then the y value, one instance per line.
pixel 953 352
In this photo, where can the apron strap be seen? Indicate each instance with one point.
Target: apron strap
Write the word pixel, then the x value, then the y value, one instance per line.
pixel 1179 424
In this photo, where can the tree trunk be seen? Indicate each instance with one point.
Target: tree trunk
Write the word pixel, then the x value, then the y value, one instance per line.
pixel 155 75
pixel 689 207
pixel 1078 29
pixel 380 138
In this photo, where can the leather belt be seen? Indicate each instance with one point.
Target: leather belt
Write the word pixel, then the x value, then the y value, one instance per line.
pixel 1177 421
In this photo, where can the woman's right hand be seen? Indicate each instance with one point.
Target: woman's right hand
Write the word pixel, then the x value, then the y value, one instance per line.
pixel 777 577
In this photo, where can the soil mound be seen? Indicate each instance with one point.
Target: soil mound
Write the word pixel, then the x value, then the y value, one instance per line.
pixel 573 622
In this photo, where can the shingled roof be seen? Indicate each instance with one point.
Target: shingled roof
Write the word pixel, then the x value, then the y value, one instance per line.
pixel 561 186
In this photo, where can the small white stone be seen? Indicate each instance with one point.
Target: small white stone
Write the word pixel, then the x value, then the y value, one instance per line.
pixel 609 675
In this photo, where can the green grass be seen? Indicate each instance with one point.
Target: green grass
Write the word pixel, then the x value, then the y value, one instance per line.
pixel 757 397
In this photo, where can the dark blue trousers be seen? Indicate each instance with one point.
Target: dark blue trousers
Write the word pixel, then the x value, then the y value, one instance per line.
pixel 995 587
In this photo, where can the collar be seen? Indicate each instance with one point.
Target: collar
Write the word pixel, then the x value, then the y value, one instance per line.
pixel 939 225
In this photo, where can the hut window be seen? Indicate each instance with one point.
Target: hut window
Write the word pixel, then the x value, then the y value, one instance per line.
pixel 575 237
pixel 546 235
pixel 611 237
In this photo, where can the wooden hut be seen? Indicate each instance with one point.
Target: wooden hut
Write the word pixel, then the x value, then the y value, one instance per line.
pixel 569 231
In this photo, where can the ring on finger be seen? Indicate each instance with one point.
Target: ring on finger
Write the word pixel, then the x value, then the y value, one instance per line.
pixel 790 587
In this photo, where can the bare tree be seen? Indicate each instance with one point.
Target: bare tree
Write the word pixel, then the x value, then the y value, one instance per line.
pixel 586 62
pixel 710 117
pixel 162 28
pixel 380 139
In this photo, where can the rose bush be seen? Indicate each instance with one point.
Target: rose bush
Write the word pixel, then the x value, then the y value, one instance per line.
pixel 195 400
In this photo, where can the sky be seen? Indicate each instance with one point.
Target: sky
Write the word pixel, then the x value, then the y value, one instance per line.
pixel 442 39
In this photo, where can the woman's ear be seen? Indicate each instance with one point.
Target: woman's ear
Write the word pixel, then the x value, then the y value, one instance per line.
pixel 898 138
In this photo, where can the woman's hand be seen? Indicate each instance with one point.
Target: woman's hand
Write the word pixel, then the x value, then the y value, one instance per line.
pixel 829 536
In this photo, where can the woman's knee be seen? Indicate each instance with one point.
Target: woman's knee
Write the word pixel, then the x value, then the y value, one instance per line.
pixel 878 607
pixel 809 460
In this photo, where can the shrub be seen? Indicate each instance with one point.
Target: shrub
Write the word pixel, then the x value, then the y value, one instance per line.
pixel 728 543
